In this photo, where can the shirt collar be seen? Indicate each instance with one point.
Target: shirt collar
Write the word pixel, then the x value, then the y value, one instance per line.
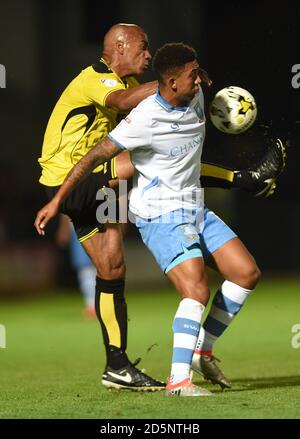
pixel 102 60
pixel 166 105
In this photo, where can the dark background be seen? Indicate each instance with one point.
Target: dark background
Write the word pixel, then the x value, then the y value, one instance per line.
pixel 249 44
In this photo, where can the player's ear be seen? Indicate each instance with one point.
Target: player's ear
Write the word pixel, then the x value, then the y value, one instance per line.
pixel 173 84
pixel 120 47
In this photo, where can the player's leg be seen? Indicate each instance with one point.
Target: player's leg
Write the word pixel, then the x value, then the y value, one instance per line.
pixel 236 264
pixel 176 249
pixel 106 251
pixel 241 274
pixel 190 280
pixel 105 247
pixel 230 257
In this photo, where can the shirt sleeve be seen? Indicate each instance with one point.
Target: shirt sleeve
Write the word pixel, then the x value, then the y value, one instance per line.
pixel 99 87
pixel 134 131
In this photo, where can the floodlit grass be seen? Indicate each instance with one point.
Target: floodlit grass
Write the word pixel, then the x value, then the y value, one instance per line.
pixel 54 359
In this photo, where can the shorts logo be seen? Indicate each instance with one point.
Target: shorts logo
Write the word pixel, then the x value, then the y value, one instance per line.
pixel 189 232
pixel 128 119
pixel 109 82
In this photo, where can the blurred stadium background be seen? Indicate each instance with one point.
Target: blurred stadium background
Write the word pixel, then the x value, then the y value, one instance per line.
pixel 45 44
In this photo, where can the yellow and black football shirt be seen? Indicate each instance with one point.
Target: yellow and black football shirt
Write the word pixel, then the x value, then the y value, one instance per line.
pixel 79 120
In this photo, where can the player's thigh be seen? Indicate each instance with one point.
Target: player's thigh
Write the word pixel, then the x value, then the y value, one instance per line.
pixel 235 263
pixel 190 279
pixel 106 251
pixel 225 252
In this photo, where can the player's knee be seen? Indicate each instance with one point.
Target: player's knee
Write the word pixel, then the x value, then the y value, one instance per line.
pixel 249 278
pixel 111 269
pixel 197 290
pixel 255 276
pixel 118 272
pixel 202 293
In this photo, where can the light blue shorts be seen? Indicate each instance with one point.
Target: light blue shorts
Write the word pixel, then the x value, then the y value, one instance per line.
pixel 174 241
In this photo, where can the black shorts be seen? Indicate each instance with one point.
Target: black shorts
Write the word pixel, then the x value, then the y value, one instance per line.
pixel 81 206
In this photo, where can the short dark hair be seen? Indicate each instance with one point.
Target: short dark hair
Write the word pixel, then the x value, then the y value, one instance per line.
pixel 171 57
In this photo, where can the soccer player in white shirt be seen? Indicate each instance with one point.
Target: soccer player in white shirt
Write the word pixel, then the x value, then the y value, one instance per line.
pixel 165 135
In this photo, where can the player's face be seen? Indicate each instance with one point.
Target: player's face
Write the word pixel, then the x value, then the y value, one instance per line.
pixel 136 56
pixel 188 81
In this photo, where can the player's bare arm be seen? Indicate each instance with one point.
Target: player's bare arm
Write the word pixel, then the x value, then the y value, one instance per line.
pixel 102 152
pixel 125 100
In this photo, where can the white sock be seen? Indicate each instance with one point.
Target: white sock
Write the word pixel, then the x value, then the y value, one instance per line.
pixel 186 329
pixel 226 304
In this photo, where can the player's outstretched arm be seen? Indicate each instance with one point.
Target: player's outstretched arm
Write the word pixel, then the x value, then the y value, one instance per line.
pixel 102 152
pixel 125 100
pixel 259 178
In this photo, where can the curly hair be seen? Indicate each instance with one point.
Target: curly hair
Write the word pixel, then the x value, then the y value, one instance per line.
pixel 171 58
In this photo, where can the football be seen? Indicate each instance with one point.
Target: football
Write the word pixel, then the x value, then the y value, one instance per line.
pixel 233 110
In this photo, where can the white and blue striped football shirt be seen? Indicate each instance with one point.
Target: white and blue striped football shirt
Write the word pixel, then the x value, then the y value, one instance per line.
pixel 165 143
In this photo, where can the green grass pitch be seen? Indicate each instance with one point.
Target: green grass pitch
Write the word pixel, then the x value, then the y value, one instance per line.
pixel 53 360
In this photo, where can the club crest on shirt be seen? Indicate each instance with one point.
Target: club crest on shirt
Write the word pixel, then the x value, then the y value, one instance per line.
pixel 109 82
pixel 199 112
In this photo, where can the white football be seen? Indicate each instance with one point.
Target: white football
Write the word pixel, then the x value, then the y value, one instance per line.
pixel 233 110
